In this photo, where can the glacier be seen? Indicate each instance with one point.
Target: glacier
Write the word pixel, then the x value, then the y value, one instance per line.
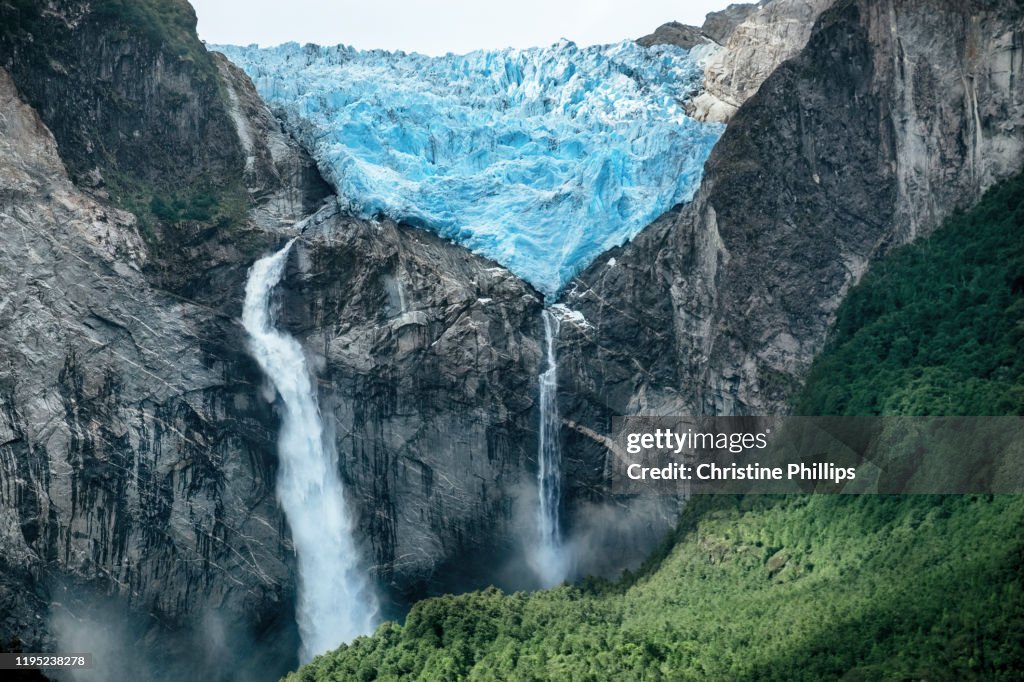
pixel 540 159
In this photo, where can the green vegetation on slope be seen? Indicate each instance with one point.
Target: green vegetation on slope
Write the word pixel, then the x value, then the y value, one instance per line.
pixel 214 202
pixel 936 328
pixel 815 587
pixel 183 216
pixel 171 23
pixel 801 588
pixel 138 110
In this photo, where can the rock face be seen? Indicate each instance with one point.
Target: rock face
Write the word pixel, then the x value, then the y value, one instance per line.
pixel 764 38
pixel 131 464
pixel 674 33
pixel 279 175
pixel 138 439
pixel 717 28
pixel 755 39
pixel 126 89
pixel 720 25
pixel 428 361
pixel 894 115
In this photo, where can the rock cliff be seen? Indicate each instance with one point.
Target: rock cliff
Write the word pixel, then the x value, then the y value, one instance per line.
pixel 428 361
pixel 719 25
pixel 717 28
pixel 762 37
pixel 135 455
pixel 675 33
pixel 137 438
pixel 125 87
pixel 894 115
pixel 744 44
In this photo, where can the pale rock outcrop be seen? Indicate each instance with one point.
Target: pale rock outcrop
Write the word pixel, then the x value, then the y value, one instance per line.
pixel 771 34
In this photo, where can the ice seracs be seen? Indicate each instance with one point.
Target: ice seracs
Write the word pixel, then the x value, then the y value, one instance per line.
pixel 538 158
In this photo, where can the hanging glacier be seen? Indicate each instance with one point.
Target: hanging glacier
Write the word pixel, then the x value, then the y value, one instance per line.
pixel 540 159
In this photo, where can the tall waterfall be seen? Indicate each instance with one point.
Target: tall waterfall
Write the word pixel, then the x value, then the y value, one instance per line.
pixel 550 561
pixel 335 601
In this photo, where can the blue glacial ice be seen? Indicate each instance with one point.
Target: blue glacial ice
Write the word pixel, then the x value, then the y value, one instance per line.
pixel 540 159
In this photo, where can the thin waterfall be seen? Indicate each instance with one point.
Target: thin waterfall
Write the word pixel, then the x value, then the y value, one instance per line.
pixel 550 561
pixel 335 602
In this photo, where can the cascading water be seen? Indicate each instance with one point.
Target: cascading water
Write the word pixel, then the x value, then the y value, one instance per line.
pixel 550 561
pixel 335 601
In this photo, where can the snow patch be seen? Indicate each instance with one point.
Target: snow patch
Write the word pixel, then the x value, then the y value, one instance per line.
pixel 567 314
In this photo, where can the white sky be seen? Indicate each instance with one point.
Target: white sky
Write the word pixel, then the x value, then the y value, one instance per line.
pixel 438 26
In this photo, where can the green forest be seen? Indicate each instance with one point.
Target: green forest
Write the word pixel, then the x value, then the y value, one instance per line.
pixel 936 327
pixel 799 587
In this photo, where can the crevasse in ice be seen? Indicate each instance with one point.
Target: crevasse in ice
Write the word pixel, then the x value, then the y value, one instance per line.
pixel 540 159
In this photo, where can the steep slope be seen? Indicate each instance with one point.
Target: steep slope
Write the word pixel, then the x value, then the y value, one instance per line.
pixel 803 587
pixel 935 328
pixel 866 139
pixel 863 141
pixel 160 117
pixel 427 359
pixel 129 465
pixel 750 41
pixel 753 589
pixel 674 33
pixel 717 27
pixel 720 25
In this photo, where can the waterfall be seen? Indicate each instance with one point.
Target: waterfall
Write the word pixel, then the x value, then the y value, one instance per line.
pixel 335 602
pixel 549 561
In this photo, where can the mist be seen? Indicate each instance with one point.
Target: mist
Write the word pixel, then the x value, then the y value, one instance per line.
pixel 212 645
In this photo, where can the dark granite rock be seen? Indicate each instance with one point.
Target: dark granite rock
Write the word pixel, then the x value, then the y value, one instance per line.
pixel 719 25
pixel 674 33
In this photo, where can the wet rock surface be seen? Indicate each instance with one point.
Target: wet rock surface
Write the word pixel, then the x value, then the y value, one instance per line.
pixel 135 455
pixel 138 439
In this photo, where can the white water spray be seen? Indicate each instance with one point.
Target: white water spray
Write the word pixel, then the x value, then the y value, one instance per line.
pixel 335 601
pixel 550 561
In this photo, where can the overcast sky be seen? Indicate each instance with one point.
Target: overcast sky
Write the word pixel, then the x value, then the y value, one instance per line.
pixel 439 26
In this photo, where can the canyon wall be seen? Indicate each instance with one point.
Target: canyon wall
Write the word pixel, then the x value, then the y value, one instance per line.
pixel 137 437
pixel 893 116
